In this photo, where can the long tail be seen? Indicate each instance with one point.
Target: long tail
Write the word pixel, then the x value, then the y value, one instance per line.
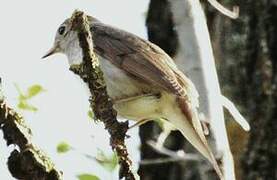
pixel 192 130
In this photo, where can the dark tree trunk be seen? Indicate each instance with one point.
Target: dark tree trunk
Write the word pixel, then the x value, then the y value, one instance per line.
pixel 246 51
pixel 160 31
pixel 260 159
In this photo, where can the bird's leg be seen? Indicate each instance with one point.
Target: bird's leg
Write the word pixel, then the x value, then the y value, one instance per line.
pixel 132 97
pixel 140 122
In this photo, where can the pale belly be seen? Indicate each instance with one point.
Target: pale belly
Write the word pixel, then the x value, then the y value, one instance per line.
pixel 119 84
pixel 132 99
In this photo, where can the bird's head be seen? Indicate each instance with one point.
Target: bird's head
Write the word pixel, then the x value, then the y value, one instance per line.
pixel 66 38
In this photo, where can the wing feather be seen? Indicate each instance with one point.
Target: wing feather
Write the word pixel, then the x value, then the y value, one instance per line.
pixel 141 58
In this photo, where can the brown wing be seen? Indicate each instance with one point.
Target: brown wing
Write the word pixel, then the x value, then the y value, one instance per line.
pixel 140 58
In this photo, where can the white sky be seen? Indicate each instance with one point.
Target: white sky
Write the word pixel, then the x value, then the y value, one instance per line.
pixel 27 32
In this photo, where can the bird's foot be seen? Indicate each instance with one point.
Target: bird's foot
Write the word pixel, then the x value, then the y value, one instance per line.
pixel 140 122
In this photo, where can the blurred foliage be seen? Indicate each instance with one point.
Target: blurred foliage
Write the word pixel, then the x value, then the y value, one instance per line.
pixel 24 97
pixel 87 177
pixel 108 162
pixel 90 114
pixel 63 147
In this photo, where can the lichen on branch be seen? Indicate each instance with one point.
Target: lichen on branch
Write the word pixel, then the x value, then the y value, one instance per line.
pixel 28 162
pixel 101 104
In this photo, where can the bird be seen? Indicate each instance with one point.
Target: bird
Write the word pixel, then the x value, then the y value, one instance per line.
pixel 142 80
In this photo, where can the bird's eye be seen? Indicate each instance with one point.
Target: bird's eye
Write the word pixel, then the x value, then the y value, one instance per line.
pixel 61 30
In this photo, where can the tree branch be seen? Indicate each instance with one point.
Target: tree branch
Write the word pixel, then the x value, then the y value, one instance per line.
pixel 101 104
pixel 181 155
pixel 29 162
pixel 231 14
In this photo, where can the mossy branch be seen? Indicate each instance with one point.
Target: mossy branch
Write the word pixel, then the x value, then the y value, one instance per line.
pixel 29 162
pixel 101 104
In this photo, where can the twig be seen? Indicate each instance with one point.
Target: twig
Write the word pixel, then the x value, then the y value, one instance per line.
pixel 232 14
pixel 29 162
pixel 101 104
pixel 181 155
pixel 146 162
pixel 229 105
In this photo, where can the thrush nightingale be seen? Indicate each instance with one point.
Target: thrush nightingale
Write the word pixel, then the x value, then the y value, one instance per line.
pixel 142 80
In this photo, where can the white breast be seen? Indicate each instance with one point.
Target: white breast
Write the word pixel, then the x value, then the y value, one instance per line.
pixel 119 84
pixel 74 53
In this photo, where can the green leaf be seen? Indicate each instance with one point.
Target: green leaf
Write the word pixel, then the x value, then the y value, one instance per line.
pixel 107 162
pixel 21 96
pixel 34 90
pixel 24 97
pixel 63 147
pixel 87 177
pixel 18 89
pixel 90 114
pixel 25 106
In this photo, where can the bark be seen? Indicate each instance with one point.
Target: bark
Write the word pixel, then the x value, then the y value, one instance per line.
pixel 28 162
pixel 260 159
pixel 101 104
pixel 247 64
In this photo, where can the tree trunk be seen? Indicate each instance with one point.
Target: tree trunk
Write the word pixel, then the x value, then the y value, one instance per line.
pixel 259 161
pixel 246 51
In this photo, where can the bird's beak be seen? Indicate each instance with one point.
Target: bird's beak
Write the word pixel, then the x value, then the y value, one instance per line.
pixel 53 50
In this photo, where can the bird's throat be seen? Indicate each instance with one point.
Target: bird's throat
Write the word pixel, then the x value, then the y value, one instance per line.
pixel 74 53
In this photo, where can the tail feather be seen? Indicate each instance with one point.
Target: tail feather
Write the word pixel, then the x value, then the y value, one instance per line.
pixel 192 130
